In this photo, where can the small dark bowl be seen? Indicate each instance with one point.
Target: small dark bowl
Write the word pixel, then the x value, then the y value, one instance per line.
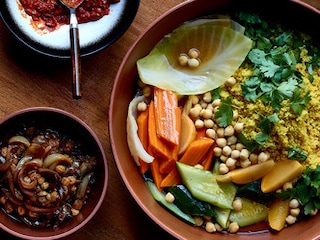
pixel 293 13
pixel 61 121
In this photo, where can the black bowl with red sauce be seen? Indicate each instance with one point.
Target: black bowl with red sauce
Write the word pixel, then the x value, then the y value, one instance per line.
pixel 43 26
pixel 25 211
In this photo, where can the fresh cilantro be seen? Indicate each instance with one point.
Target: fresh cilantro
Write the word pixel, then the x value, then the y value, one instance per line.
pixel 267 123
pixel 224 115
pixel 215 93
pixel 298 102
pixel 297 154
pixel 306 190
pixel 275 53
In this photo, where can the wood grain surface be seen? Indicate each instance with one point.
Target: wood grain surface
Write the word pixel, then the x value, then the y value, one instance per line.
pixel 28 79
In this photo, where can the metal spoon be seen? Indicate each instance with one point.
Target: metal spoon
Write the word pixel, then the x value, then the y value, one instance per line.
pixel 72 5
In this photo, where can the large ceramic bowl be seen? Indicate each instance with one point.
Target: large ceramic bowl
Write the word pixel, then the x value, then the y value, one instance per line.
pixel 75 129
pixel 295 13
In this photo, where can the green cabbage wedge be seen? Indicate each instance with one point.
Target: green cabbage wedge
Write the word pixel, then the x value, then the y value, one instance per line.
pixel 222 45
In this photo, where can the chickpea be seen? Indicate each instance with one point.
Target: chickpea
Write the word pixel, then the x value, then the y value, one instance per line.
pixel 231 82
pixel 208 123
pixel 193 53
pixel 245 163
pixel 74 212
pixel 237 204
pixel 226 150
pixel 229 131
pixel 244 154
pixel 232 140
pixel 220 132
pixel 194 99
pixel 183 60
pixel 223 168
pixel 294 203
pixel 210 227
pixel 206 113
pixel 253 158
pixel 216 102
pixel 211 133
pixel 199 166
pixel 239 146
pixel 207 97
pixel 235 114
pixel 262 157
pixel 295 212
pixel 142 106
pixel 199 123
pixel 287 185
pixel 218 227
pixel 198 220
pixel 233 227
pixel 195 112
pixel 193 63
pixel 169 197
pixel 235 154
pixel 217 151
pixel 221 142
pixel 223 158
pixel 231 163
pixel 291 219
pixel 238 127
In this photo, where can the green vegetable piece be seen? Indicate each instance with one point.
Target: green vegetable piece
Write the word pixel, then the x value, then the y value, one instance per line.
pixel 222 46
pixel 190 205
pixel 160 198
pixel 203 186
pixel 253 191
pixel 222 216
pixel 250 213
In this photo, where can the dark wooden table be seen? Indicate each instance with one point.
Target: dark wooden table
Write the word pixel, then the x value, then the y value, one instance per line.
pixel 27 80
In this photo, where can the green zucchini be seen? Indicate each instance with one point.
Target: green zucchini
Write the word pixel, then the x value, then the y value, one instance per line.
pixel 203 186
pixel 190 205
pixel 251 212
pixel 160 198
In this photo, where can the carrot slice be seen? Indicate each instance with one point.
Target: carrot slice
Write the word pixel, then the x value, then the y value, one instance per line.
pixel 157 176
pixel 196 151
pixel 142 122
pixel 168 119
pixel 208 159
pixel 169 163
pixel 157 146
pixel 172 179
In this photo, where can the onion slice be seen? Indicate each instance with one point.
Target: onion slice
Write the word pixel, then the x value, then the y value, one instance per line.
pixel 135 146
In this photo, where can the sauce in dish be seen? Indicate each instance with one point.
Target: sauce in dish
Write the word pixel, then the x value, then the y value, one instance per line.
pixel 51 14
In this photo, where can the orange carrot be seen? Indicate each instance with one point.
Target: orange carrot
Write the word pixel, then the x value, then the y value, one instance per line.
pixel 142 122
pixel 168 118
pixel 157 176
pixel 196 151
pixel 208 159
pixel 171 179
pixel 164 151
pixel 157 146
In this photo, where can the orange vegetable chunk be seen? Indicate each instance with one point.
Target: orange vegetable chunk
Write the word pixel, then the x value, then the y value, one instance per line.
pixel 142 122
pixel 157 176
pixel 283 171
pixel 196 151
pixel 168 115
pixel 278 212
pixel 187 134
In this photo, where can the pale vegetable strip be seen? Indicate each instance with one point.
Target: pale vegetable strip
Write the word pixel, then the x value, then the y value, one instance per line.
pixel 134 143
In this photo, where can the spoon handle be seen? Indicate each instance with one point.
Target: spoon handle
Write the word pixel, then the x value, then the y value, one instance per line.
pixel 75 54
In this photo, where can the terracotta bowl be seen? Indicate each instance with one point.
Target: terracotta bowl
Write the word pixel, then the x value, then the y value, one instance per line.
pixel 290 12
pixel 75 128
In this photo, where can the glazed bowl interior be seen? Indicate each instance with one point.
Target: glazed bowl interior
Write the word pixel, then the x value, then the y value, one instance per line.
pixel 60 121
pixel 290 13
